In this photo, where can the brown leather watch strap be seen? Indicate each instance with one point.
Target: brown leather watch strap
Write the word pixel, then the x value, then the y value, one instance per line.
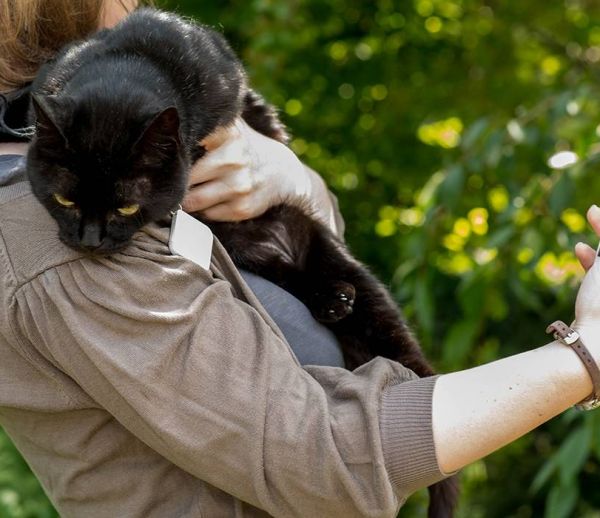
pixel 568 336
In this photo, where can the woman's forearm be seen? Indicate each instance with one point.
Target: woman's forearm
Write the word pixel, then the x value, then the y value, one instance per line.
pixel 479 410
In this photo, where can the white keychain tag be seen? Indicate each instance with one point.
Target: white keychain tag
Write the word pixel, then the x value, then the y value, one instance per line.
pixel 191 239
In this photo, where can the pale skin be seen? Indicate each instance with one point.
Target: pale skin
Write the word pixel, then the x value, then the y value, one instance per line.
pixel 475 411
pixel 114 11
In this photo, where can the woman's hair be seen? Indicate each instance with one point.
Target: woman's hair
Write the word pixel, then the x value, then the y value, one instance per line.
pixel 32 31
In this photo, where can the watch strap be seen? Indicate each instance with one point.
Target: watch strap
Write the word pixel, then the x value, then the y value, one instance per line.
pixel 568 336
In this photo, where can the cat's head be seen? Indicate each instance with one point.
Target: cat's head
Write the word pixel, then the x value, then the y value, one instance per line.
pixel 103 172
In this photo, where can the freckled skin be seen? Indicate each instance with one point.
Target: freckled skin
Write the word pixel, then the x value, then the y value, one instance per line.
pixel 106 144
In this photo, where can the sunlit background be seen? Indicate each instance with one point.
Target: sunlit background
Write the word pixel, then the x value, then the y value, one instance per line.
pixel 463 141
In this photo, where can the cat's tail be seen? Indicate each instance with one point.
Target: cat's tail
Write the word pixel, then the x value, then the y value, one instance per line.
pixel 443 498
pixel 263 117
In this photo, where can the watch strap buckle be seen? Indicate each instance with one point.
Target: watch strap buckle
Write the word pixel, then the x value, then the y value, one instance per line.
pixel 568 336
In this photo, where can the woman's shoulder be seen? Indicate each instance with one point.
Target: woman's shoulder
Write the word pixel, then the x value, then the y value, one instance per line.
pixel 29 240
pixel 30 246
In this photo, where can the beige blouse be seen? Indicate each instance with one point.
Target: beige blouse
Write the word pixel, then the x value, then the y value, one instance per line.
pixel 141 385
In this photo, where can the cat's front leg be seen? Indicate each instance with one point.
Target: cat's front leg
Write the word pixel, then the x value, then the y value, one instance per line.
pixel 369 323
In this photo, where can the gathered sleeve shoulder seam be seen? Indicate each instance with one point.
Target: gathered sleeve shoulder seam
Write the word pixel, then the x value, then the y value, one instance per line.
pixel 16 339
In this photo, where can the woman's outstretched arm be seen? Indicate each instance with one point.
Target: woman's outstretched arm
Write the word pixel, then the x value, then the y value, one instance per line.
pixel 479 410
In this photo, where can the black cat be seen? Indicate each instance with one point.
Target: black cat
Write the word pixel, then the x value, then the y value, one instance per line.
pixel 119 121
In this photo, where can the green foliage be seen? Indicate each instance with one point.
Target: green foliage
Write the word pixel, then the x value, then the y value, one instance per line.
pixel 442 125
pixel 20 493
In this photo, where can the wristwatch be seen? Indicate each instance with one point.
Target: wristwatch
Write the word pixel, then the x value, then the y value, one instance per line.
pixel 568 336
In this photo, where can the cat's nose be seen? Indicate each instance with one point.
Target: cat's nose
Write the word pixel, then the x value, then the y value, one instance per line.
pixel 91 236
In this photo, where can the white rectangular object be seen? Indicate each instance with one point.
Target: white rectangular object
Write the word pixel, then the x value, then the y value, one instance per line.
pixel 191 239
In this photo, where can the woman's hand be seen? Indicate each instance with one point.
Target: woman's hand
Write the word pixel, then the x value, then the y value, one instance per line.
pixel 243 174
pixel 587 306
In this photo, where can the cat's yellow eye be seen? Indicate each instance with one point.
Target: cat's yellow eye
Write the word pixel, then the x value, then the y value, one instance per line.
pixel 63 201
pixel 129 211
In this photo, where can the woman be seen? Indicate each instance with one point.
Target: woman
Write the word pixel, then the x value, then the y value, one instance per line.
pixel 142 385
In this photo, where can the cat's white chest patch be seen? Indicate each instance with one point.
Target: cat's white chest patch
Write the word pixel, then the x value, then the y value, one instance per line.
pixel 191 239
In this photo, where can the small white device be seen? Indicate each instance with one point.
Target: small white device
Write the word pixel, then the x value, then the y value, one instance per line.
pixel 191 239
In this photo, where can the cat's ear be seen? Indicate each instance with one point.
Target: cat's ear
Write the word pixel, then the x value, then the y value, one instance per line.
pixel 162 133
pixel 46 110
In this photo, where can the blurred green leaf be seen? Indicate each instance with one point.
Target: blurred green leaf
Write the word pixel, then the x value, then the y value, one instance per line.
pixel 561 501
pixel 474 132
pixel 501 236
pixel 458 342
pixel 562 194
pixel 424 305
pixel 544 474
pixel 573 453
pixel 452 187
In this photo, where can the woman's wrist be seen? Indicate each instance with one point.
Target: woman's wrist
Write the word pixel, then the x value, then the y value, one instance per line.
pixel 305 187
pixel 297 185
pixel 321 201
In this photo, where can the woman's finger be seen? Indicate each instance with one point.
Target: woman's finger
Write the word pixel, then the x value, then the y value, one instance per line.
pixel 218 137
pixel 593 216
pixel 586 255
pixel 215 163
pixel 239 209
pixel 206 195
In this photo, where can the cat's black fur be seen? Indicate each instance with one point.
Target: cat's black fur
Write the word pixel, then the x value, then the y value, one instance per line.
pixel 119 121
